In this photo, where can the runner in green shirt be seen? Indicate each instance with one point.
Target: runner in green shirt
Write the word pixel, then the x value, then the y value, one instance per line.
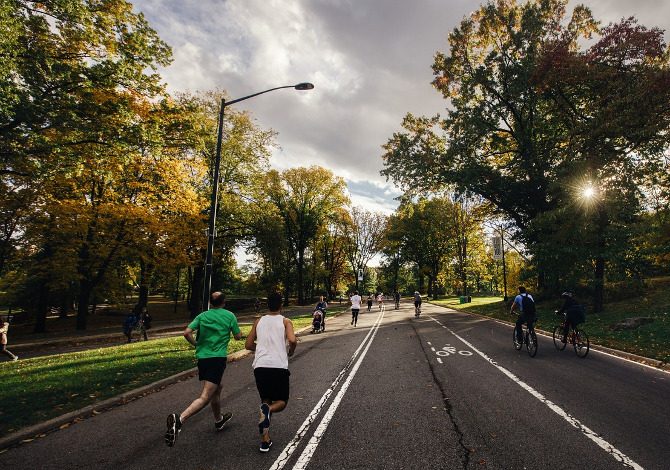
pixel 214 328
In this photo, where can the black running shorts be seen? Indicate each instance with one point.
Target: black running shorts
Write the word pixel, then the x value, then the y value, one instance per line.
pixel 211 369
pixel 272 383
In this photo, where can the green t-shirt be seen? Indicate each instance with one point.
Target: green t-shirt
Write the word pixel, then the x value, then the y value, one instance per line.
pixel 214 328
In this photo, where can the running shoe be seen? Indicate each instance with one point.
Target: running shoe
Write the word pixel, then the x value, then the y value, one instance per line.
pixel 265 446
pixel 222 422
pixel 173 429
pixel 264 418
pixel 16 358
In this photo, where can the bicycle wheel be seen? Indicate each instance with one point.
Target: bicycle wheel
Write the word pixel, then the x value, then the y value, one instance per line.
pixel 517 344
pixel 531 343
pixel 558 335
pixel 581 343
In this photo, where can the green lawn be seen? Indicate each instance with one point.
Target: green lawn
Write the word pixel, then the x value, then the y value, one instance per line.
pixel 650 340
pixel 38 389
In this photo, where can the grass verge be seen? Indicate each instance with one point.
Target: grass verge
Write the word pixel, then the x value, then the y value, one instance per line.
pixel 38 389
pixel 650 340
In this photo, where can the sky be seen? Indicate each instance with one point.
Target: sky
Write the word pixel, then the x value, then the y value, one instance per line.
pixel 369 60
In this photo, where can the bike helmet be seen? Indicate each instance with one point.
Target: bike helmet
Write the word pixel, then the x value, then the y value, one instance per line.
pixel 567 293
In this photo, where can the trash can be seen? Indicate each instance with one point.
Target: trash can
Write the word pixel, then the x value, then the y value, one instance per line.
pixel 461 300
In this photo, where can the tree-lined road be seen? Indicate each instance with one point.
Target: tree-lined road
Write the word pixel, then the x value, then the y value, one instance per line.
pixel 443 391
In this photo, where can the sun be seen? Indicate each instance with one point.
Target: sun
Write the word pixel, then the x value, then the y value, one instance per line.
pixel 588 192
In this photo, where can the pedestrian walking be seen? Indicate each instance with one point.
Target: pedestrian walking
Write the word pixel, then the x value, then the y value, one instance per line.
pixel 214 328
pixel 145 323
pixel 267 338
pixel 4 329
pixel 369 302
pixel 355 307
pixel 129 324
pixel 380 300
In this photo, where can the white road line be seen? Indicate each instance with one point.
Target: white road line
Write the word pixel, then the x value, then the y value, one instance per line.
pixel 439 360
pixel 293 444
pixel 309 450
pixel 609 448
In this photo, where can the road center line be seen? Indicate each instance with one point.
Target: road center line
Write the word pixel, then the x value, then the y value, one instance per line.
pixel 304 427
pixel 313 443
pixel 609 448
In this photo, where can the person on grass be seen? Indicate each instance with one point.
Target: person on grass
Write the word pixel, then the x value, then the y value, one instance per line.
pixel 4 329
pixel 268 338
pixel 214 328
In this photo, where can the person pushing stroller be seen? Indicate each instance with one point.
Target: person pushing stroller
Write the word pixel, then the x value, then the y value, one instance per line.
pixel 320 312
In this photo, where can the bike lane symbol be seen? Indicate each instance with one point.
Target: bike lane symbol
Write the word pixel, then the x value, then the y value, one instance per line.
pixel 448 350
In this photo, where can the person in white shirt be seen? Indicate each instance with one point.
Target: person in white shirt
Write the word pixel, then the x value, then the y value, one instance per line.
pixel 268 337
pixel 380 300
pixel 355 307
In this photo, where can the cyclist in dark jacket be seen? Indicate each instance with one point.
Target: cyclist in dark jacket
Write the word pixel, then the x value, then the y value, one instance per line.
pixel 574 313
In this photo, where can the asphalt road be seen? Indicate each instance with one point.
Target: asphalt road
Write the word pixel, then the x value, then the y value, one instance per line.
pixel 444 391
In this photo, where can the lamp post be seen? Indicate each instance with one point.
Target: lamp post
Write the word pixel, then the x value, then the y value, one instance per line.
pixel 207 281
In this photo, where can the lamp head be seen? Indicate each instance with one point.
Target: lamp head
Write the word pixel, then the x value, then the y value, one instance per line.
pixel 304 86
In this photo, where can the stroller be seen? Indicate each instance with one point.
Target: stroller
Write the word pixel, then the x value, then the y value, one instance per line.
pixel 317 321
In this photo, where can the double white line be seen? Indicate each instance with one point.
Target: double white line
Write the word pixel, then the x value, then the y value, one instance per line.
pixel 309 450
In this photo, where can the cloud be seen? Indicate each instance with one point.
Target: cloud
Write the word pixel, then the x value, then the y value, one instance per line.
pixel 370 62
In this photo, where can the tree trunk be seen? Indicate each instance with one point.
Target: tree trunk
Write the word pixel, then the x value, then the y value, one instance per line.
pixel 42 309
pixel 145 277
pixel 82 309
pixel 599 285
pixel 300 267
pixel 197 285
pixel 189 289
pixel 65 303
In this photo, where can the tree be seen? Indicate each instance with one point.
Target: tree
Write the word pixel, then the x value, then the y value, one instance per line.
pixel 72 73
pixel 531 110
pixel 426 235
pixel 305 199
pixel 332 246
pixel 364 239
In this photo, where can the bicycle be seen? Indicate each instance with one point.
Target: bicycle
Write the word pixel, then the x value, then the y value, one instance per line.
pixel 577 337
pixel 528 337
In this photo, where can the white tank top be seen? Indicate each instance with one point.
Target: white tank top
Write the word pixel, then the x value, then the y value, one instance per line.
pixel 271 343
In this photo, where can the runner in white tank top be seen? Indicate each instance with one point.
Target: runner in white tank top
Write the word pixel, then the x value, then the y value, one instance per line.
pixel 271 343
pixel 268 338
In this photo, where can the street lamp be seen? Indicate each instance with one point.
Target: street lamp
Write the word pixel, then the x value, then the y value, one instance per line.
pixel 207 281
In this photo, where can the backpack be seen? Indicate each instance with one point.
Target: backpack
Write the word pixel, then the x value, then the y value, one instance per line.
pixel 527 305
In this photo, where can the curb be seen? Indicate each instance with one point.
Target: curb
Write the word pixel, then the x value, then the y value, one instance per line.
pixel 30 433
